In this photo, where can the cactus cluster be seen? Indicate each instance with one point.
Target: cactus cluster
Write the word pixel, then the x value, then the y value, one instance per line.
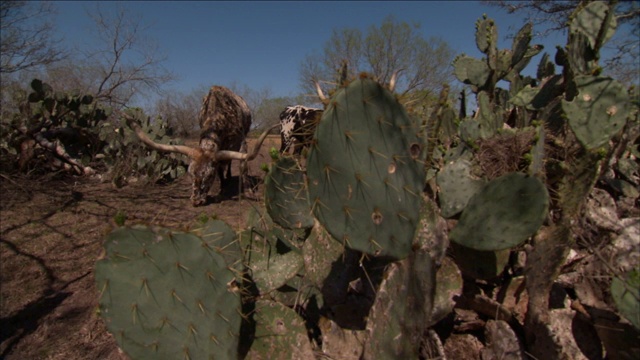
pixel 125 156
pixel 353 247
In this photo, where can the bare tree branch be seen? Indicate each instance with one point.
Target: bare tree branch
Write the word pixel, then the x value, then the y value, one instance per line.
pixel 423 65
pixel 26 39
pixel 129 63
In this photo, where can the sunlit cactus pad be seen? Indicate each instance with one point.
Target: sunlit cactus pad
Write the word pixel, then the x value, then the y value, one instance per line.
pixel 167 295
pixel 364 172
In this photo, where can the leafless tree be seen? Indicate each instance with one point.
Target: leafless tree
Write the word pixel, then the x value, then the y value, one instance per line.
pixel 128 62
pixel 26 36
pixel 421 64
pixel 181 111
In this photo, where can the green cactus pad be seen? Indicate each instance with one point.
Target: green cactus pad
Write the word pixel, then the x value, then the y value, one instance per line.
pixel 486 34
pixel 457 186
pixel 286 197
pixel 364 171
pixel 589 21
pixel 217 235
pixel 471 71
pixel 503 214
pixel 280 334
pixel 489 116
pixel 599 111
pixel 167 295
pixel 298 292
pixel 521 43
pixel 271 259
pixel 470 131
pixel 626 295
pixel 536 168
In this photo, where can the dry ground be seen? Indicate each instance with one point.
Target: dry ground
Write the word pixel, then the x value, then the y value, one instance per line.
pixel 51 235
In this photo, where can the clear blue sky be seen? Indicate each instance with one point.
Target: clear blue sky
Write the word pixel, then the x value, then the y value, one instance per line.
pixel 262 44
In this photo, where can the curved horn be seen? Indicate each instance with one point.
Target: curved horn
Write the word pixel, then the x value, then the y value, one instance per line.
pixel 392 82
pixel 226 155
pixel 186 150
pixel 321 95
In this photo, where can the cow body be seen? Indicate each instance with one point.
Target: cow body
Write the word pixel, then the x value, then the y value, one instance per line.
pixel 298 124
pixel 225 120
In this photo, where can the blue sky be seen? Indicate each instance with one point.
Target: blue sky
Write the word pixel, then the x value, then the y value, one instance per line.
pixel 262 44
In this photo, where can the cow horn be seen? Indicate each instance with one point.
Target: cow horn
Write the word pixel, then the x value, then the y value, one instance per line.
pixel 321 95
pixel 227 155
pixel 392 82
pixel 186 150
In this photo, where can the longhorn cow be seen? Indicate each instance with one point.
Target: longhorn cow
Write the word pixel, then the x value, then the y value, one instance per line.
pixel 225 120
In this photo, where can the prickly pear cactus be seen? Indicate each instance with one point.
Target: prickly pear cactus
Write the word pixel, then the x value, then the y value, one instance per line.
pixel 280 334
pixel 320 251
pixel 588 21
pixel 457 185
pixel 286 197
pixel 626 295
pixel 166 295
pixel 270 258
pixel 448 286
pixel 471 71
pixel 599 111
pixel 219 237
pixel 503 214
pixel 396 323
pixel 364 172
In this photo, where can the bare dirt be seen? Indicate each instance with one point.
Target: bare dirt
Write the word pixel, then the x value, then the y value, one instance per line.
pixel 51 235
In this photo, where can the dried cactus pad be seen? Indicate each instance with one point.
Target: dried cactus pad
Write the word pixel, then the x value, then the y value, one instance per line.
pixel 166 295
pixel 503 214
pixel 364 172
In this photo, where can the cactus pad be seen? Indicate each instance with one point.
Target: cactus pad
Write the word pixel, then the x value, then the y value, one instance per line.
pixel 167 295
pixel 401 309
pixel 599 111
pixel 503 214
pixel 364 171
pixel 626 295
pixel 320 251
pixel 217 235
pixel 471 71
pixel 280 334
pixel 589 21
pixel 457 186
pixel 286 197
pixel 271 259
